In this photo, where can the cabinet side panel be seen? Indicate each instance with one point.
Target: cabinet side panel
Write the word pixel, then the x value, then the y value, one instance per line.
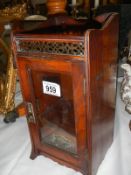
pixel 102 56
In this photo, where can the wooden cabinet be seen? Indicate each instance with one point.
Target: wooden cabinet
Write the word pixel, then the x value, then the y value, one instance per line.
pixel 68 82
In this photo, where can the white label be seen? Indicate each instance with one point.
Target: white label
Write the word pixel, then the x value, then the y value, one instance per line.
pixel 51 88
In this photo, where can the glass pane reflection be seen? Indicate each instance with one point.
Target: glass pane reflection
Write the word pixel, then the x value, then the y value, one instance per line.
pixel 57 120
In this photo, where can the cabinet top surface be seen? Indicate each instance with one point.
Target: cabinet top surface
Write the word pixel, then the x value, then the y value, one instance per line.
pixel 60 37
pixel 60 26
pixel 57 25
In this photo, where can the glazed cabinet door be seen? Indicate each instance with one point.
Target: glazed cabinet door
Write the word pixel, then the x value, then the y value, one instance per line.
pixel 55 98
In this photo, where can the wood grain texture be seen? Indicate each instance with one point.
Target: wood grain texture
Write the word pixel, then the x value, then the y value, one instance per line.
pixel 92 85
pixel 102 62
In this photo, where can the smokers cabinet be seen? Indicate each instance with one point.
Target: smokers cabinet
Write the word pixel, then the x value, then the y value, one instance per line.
pixel 67 73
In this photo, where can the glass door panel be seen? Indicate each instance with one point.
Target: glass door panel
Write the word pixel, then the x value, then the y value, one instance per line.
pixel 55 108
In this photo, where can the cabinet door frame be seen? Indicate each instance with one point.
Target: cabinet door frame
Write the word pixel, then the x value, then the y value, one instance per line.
pixel 76 69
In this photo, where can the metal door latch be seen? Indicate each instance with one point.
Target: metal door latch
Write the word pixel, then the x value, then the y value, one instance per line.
pixel 30 116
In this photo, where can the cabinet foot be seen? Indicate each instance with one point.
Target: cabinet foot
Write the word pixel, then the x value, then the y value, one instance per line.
pixel 34 154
